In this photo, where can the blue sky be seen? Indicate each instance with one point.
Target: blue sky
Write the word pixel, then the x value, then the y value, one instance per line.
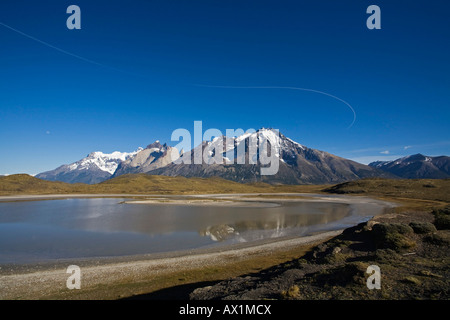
pixel 137 70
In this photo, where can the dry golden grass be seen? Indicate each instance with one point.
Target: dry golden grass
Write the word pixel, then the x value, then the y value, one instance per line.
pixel 424 189
pixel 21 184
pixel 418 194
pixel 412 194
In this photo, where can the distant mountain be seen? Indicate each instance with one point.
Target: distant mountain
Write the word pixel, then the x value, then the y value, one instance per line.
pixel 154 156
pixel 298 164
pixel 416 166
pixel 94 168
pixel 98 166
pixel 295 163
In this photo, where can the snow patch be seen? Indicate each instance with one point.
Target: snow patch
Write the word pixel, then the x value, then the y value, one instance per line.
pixel 104 161
pixel 301 146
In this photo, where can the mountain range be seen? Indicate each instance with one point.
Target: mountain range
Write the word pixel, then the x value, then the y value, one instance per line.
pixel 296 163
pixel 416 166
pixel 94 168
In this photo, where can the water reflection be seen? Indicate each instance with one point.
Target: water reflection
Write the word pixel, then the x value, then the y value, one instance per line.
pixel 277 224
pixel 219 232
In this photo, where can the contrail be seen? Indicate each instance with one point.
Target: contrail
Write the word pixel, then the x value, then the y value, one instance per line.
pixel 289 88
pixel 67 52
pixel 52 46
pixel 200 85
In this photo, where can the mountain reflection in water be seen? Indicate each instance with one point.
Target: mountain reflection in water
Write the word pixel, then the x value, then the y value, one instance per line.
pixel 99 227
pixel 274 225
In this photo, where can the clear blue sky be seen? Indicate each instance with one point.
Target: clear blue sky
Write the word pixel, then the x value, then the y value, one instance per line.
pixel 137 70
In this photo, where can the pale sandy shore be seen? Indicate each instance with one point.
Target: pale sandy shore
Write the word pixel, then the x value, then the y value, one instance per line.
pixel 98 276
pixel 66 196
pixel 205 202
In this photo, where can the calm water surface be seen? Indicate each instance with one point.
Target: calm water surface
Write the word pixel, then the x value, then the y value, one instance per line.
pixel 72 228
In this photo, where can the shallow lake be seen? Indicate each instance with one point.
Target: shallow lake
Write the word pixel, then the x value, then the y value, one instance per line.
pixel 36 231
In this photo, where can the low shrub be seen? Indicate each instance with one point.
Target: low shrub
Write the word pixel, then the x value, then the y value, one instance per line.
pixel 422 227
pixel 442 218
pixel 393 236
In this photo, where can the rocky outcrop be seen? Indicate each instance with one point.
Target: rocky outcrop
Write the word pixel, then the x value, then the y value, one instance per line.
pixel 154 156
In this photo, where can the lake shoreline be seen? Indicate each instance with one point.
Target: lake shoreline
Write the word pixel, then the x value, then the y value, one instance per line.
pixel 47 280
pixel 351 210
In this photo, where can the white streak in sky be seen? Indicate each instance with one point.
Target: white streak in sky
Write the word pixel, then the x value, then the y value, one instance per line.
pixel 52 46
pixel 210 86
pixel 290 88
pixel 67 52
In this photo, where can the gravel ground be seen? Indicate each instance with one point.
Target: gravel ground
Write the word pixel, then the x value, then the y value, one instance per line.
pixel 49 281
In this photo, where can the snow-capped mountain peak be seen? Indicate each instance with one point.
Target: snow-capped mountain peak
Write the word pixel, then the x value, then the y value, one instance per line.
pixel 104 161
pixel 229 149
pixel 241 159
pixel 95 167
pixel 272 135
